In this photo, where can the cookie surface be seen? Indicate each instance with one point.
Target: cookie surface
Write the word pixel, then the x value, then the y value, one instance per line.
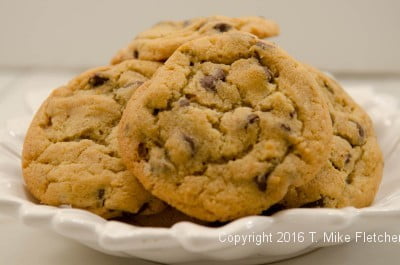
pixel 352 174
pixel 70 154
pixel 159 42
pixel 225 127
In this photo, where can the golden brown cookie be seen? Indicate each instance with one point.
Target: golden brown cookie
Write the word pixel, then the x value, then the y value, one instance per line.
pixel 70 153
pixel 352 174
pixel 225 127
pixel 159 42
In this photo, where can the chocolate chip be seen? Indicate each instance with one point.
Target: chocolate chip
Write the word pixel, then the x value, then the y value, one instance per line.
pixel 348 158
pixel 252 118
pixel 208 82
pixel 335 166
pixel 349 179
pixel 261 181
pixel 356 140
pixel 286 127
pixel 184 102
pixel 143 151
pixel 220 74
pixel 326 85
pixel 191 63
pixel 315 204
pixel 156 111
pixel 48 123
pixel 268 74
pixel 292 114
pixel 222 27
pixel 361 130
pixel 190 96
pixel 136 54
pixel 100 193
pixel 97 80
pixel 191 142
pixel 113 154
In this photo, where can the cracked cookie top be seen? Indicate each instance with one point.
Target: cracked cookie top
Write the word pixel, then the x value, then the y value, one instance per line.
pixel 70 153
pixel 225 127
pixel 352 174
pixel 160 41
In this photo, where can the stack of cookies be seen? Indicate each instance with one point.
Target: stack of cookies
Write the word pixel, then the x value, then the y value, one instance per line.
pixel 201 120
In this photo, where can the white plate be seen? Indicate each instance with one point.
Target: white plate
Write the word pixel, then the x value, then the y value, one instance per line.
pixel 188 242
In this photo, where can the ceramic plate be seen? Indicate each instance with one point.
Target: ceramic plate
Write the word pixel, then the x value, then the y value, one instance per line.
pixel 250 240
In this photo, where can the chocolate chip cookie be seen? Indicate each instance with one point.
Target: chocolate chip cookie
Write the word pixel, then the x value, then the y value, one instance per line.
pixel 225 127
pixel 352 174
pixel 70 153
pixel 159 42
